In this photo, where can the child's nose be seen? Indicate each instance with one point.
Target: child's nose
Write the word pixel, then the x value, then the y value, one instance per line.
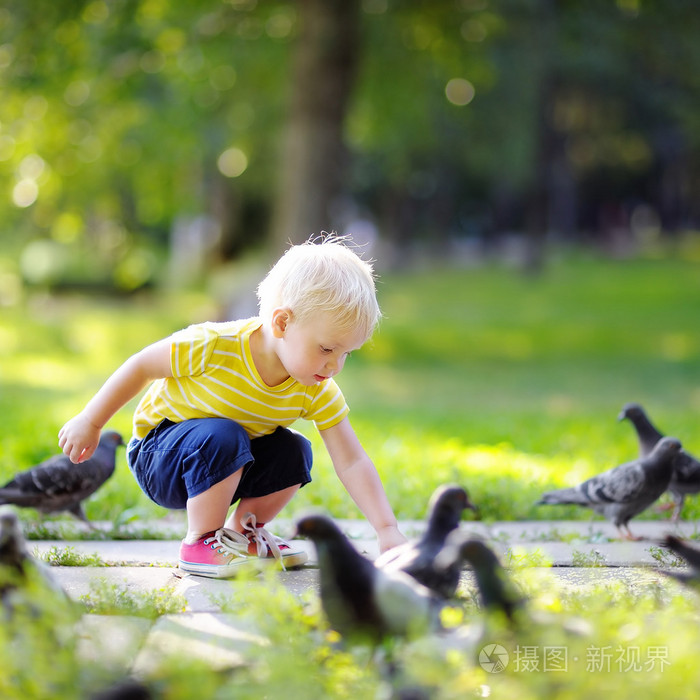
pixel 334 365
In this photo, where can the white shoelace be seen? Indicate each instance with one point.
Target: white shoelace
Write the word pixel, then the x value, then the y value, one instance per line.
pixel 264 540
pixel 229 542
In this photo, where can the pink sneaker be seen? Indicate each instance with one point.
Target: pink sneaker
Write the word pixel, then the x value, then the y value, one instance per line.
pixel 216 555
pixel 266 545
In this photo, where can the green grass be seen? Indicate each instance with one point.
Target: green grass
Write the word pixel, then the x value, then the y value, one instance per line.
pixel 509 384
pixel 505 383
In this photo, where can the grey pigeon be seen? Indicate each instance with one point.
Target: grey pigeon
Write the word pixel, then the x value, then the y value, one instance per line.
pixel 685 479
pixel 623 492
pixel 56 484
pixel 416 558
pixel 690 555
pixel 18 569
pixel 496 591
pixel 360 600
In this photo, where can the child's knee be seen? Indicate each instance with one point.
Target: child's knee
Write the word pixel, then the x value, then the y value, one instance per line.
pixel 301 446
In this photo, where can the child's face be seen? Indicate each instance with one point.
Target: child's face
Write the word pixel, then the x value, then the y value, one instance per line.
pixel 315 349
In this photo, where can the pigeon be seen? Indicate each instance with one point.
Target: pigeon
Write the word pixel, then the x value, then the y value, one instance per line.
pixel 56 484
pixel 690 555
pixel 361 601
pixel 126 689
pixel 496 591
pixel 416 558
pixel 686 468
pixel 623 492
pixel 18 569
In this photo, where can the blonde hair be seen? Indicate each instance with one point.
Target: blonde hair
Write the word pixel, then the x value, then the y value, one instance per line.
pixel 323 275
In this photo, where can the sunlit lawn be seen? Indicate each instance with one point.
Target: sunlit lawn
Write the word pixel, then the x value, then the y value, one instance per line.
pixel 506 383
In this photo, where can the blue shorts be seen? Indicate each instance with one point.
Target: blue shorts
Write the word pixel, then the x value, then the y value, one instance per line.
pixel 177 461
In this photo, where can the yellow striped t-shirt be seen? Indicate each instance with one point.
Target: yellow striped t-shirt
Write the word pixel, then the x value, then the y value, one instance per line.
pixel 214 376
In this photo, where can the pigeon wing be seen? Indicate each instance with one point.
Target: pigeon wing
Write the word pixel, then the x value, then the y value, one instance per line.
pixel 619 485
pixel 406 607
pixel 58 477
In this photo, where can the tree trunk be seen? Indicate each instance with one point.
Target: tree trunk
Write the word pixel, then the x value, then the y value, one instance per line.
pixel 313 153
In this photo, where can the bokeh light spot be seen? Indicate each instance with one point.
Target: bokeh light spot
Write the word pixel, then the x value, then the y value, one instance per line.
pixel 31 167
pixel 77 93
pixel 25 193
pixel 459 91
pixel 232 162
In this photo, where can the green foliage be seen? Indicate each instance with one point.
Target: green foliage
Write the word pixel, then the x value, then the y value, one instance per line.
pixel 115 115
pixel 621 638
pixel 68 556
pixel 107 598
pixel 37 641
pixel 592 558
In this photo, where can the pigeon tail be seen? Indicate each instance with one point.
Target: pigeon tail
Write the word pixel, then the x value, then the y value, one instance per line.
pixel 562 497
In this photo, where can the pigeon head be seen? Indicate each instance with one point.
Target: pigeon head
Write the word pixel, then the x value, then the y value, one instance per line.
pixel 9 527
pixel 12 546
pixel 631 411
pixel 448 502
pixel 318 528
pixel 667 447
pixel 111 438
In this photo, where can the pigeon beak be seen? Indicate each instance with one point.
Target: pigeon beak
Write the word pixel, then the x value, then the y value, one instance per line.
pixel 471 506
pixel 622 415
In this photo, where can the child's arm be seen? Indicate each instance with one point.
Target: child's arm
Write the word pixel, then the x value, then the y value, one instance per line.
pixel 78 438
pixel 359 477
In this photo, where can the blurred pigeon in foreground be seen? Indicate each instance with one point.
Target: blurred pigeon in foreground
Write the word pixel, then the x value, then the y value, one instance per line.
pixel 57 484
pixel 127 689
pixel 18 568
pixel 361 600
pixel 623 492
pixel 685 479
pixel 496 591
pixel 416 558
pixel 690 555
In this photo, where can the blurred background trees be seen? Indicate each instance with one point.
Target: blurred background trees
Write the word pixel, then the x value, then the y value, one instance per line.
pixel 146 141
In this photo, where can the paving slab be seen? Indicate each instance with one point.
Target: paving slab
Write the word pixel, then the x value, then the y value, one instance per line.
pixel 221 640
pixel 80 581
pixel 115 552
pixel 561 543
pixel 111 642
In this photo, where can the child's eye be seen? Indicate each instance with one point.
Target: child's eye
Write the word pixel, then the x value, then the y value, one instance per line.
pixel 325 350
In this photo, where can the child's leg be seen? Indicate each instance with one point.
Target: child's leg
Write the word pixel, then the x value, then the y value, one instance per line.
pixel 195 464
pixel 282 465
pixel 265 508
pixel 207 511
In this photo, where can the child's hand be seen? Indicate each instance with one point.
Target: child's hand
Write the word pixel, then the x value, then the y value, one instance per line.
pixel 389 537
pixel 78 438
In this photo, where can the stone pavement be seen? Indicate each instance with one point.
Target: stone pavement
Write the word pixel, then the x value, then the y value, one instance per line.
pixel 573 554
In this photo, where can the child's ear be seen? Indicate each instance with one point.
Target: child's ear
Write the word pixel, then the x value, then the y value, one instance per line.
pixel 280 321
